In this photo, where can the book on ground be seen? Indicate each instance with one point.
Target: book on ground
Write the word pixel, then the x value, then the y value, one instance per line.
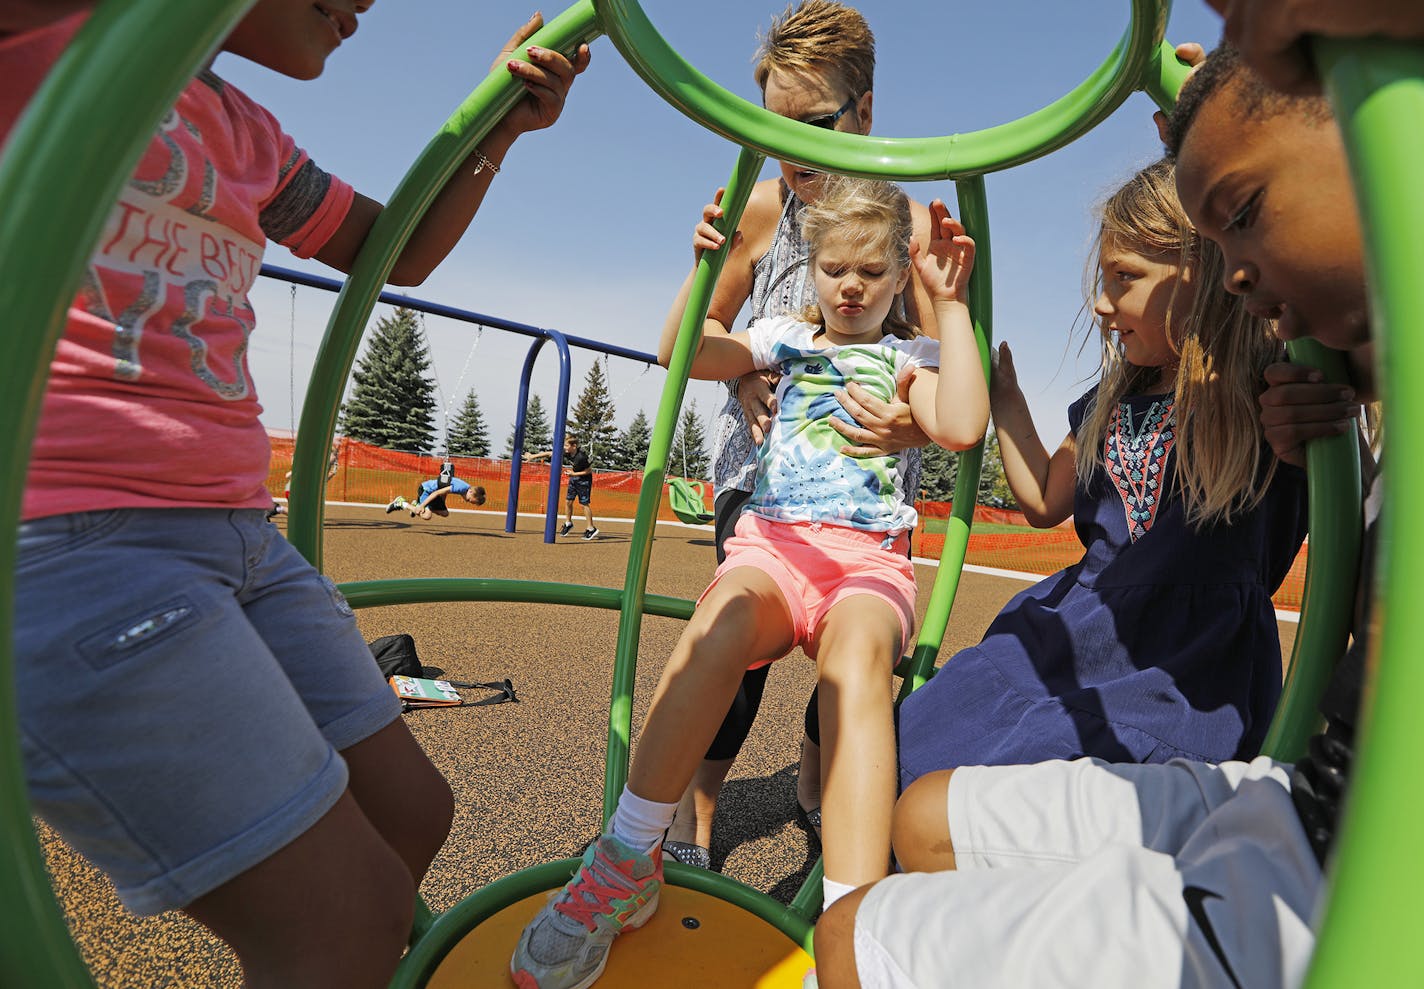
pixel 424 692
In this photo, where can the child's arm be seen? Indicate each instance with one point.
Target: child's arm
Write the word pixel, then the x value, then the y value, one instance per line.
pixel 437 493
pixel 951 406
pixel 1043 485
pixel 547 77
pixel 537 457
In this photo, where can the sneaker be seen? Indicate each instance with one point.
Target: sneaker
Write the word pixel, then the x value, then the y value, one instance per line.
pixel 566 945
pixel 590 533
pixel 397 503
pixel 566 528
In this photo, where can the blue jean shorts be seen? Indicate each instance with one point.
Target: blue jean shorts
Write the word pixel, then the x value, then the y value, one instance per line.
pixel 581 488
pixel 186 682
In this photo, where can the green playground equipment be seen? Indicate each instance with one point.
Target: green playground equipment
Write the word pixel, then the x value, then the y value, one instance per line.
pixel 129 62
pixel 688 500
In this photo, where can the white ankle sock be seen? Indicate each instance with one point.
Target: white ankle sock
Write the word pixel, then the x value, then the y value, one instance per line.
pixel 831 891
pixel 640 823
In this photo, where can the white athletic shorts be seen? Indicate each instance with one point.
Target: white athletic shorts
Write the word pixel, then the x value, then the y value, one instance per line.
pixel 1088 874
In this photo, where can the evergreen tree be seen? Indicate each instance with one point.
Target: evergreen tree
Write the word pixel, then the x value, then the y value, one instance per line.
pixel 688 457
pixel 993 483
pixel 631 450
pixel 592 420
pixel 393 402
pixel 538 434
pixel 939 470
pixel 468 435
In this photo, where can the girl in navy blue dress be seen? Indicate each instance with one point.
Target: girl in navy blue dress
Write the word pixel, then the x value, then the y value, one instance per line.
pixel 1162 640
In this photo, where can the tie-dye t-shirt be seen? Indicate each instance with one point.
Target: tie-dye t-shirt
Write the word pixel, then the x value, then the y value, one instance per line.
pixel 150 403
pixel 801 474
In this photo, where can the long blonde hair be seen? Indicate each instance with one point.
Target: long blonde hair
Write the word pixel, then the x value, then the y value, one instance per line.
pixel 875 216
pixel 1222 468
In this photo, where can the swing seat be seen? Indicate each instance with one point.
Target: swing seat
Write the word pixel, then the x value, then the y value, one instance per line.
pixel 688 501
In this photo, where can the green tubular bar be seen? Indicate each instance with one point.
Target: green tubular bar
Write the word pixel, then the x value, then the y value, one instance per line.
pixel 1328 604
pixel 974 213
pixel 377 593
pixel 1370 932
pixel 446 152
pixel 620 719
pixel 112 85
pixel 955 156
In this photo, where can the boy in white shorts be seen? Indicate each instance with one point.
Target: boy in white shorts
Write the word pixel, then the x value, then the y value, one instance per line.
pixel 1186 874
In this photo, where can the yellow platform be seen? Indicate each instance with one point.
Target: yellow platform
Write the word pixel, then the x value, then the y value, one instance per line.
pixel 694 940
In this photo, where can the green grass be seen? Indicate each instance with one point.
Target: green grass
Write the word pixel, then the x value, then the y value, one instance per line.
pixel 939 526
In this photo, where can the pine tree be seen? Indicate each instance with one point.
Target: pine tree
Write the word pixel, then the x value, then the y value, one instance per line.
pixel 939 468
pixel 393 402
pixel 592 420
pixel 468 435
pixel 538 434
pixel 993 483
pixel 631 449
pixel 688 457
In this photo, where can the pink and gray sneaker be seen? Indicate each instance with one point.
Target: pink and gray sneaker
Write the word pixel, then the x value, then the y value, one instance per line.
pixel 566 945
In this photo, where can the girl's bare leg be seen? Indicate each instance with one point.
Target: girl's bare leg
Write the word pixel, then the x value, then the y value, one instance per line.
pixel 698 806
pixel 855 651
pixel 742 619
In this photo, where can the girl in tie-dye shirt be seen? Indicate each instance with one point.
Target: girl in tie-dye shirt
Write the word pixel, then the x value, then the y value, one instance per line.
pixel 819 558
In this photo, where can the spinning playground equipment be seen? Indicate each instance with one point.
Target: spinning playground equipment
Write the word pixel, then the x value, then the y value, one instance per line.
pixel 132 58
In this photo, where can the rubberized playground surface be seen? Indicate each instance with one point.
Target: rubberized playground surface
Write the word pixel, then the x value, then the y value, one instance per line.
pixel 527 777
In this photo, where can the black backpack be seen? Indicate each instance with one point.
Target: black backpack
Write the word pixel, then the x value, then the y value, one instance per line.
pixel 395 655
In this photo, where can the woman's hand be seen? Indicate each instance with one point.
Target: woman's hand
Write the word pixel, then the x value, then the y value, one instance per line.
pixel 547 77
pixel 757 393
pixel 947 261
pixel 881 428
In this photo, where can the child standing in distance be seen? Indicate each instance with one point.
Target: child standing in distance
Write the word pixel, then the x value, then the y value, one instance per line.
pixel 302 785
pixel 1188 873
pixel 1161 642
pixel 580 486
pixel 815 64
pixel 818 560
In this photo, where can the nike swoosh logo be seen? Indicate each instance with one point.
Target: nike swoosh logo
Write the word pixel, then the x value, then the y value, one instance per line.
pixel 1196 898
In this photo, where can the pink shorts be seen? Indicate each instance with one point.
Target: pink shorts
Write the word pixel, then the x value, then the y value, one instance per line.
pixel 817 566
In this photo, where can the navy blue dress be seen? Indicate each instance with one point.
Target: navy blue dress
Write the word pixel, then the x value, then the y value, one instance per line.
pixel 1160 642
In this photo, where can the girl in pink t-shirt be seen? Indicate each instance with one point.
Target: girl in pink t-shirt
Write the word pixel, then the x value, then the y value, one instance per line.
pixel 237 812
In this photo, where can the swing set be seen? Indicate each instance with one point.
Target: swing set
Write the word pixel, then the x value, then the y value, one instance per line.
pixel 70 154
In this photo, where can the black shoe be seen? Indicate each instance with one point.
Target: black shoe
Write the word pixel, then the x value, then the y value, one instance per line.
pixel 590 533
pixel 566 528
pixel 396 505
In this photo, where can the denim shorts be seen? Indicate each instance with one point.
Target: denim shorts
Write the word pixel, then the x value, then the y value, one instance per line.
pixel 185 682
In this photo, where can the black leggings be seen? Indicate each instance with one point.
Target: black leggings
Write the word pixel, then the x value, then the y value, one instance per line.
pixel 738 722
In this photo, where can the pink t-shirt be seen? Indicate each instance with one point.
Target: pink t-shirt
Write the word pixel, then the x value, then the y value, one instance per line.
pixel 150 403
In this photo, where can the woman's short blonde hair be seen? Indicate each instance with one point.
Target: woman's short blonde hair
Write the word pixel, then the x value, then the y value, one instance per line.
pixel 819 36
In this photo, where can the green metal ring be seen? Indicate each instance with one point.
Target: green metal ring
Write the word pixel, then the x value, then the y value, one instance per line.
pixel 1135 63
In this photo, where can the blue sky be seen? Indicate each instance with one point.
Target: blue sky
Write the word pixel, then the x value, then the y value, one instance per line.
pixel 587 227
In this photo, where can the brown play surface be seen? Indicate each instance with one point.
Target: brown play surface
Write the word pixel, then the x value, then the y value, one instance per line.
pixel 527 777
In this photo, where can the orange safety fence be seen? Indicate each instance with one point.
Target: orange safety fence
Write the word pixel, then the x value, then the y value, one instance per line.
pixel 373 475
